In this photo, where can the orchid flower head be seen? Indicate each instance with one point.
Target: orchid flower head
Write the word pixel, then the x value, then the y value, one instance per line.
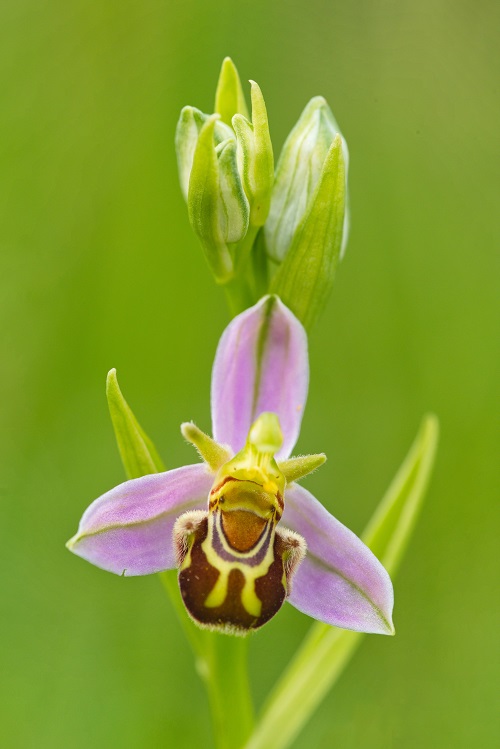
pixel 244 535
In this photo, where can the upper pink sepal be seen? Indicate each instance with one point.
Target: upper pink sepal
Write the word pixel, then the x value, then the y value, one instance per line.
pixel 261 365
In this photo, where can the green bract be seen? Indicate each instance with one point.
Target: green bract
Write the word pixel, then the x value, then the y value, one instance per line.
pixel 298 172
pixel 188 130
pixel 307 228
pixel 229 97
pixel 218 208
pixel 255 157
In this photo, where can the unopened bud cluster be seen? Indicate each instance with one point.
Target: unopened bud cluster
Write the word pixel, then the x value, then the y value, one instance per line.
pixel 263 231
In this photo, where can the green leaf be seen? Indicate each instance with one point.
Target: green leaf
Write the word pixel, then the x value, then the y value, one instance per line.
pixel 326 651
pixel 390 528
pixel 229 97
pixel 138 454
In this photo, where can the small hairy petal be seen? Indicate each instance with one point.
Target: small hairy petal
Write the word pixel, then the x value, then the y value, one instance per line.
pixel 261 365
pixel 129 529
pixel 340 581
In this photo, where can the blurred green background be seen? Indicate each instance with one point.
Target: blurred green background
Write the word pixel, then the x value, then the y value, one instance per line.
pixel 100 270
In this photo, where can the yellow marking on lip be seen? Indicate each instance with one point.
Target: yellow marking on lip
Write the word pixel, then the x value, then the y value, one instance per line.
pixel 249 598
pixel 187 559
pixel 218 594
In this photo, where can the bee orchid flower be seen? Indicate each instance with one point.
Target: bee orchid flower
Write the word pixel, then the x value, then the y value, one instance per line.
pixel 243 533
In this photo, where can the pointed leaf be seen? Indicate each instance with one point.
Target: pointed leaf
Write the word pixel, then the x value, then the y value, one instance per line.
pixel 138 454
pixel 128 530
pixel 326 650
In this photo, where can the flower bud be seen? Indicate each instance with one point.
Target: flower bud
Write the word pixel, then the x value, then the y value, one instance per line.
pixel 297 175
pixel 188 130
pixel 217 204
pixel 307 229
pixel 226 173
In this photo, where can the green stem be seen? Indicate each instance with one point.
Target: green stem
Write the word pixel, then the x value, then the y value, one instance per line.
pixel 243 250
pixel 238 290
pixel 260 266
pixel 194 635
pixel 238 294
pixel 226 680
pixel 221 663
